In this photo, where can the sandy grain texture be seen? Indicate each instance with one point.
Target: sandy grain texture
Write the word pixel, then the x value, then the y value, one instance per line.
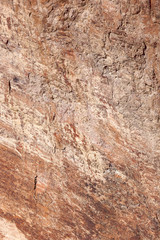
pixel 79 120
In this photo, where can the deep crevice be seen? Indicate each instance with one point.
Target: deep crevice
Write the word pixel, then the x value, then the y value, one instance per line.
pixel 35 182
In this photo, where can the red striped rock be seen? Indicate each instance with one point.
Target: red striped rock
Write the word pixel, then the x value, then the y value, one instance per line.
pixel 79 120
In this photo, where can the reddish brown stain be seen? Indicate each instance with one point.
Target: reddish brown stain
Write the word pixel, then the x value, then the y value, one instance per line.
pixel 9 23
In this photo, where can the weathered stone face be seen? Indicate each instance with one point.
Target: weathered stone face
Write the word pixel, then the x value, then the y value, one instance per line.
pixel 79 119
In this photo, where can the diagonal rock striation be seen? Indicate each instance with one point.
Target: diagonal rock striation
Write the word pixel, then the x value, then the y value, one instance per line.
pixel 79 120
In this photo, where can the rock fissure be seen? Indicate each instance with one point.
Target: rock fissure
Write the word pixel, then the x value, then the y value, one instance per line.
pixel 35 182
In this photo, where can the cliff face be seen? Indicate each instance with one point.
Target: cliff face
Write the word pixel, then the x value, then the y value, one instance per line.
pixel 79 119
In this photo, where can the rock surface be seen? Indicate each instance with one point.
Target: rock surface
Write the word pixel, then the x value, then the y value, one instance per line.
pixel 79 119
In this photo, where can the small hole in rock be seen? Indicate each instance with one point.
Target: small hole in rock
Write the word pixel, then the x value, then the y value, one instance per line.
pixel 15 79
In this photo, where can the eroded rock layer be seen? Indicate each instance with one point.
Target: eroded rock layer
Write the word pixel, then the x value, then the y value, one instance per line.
pixel 79 119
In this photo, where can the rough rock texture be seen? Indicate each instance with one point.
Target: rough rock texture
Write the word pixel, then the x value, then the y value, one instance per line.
pixel 79 119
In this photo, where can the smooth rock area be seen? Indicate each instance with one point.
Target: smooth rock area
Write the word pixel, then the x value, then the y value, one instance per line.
pixel 79 119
